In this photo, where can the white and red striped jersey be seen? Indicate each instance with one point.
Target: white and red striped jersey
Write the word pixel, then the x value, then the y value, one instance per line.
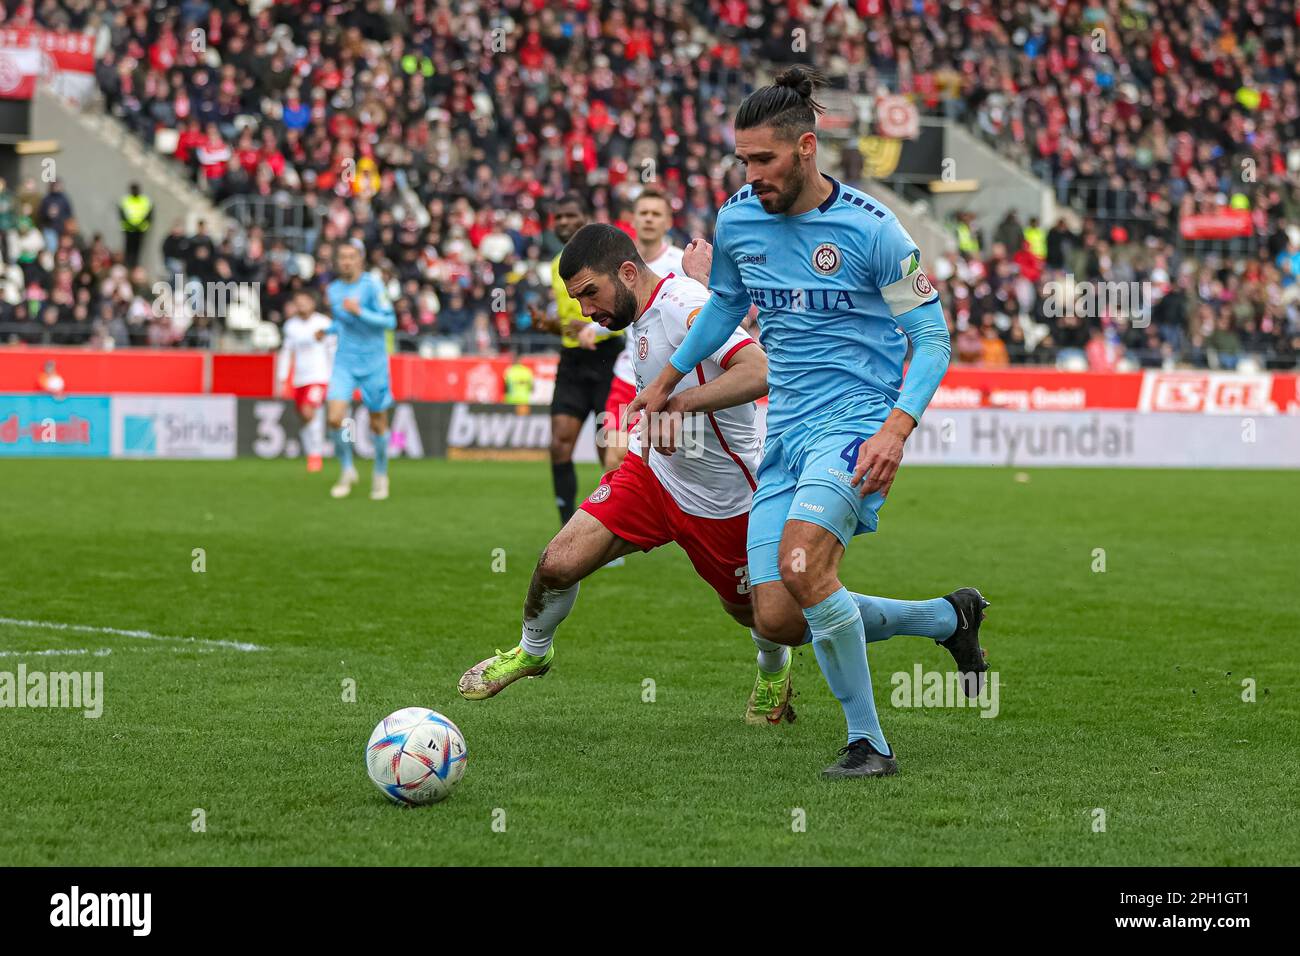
pixel 713 474
pixel 312 358
pixel 668 260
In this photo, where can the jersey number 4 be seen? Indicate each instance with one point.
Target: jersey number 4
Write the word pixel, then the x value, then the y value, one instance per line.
pixel 850 452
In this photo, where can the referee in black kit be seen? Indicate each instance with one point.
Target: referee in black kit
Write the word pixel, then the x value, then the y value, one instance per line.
pixel 586 362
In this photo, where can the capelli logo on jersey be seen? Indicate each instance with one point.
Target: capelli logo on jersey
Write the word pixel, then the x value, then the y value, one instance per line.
pixel 752 259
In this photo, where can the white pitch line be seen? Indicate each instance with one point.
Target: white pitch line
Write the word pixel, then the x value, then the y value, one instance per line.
pixel 140 635
pixel 53 652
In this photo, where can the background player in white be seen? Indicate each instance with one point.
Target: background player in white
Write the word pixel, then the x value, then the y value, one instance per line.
pixel 308 350
pixel 698 498
pixel 652 215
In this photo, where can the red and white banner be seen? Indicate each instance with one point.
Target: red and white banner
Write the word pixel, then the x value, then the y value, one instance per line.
pixel 1222 224
pixel 1207 393
pixel 1220 393
pixel 64 60
pixel 1036 390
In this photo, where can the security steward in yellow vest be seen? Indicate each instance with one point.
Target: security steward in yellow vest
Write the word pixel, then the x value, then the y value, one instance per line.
pixel 1037 238
pixel 586 367
pixel 136 211
pixel 519 383
pixel 966 241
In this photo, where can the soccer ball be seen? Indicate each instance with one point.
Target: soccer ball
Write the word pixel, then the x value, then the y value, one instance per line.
pixel 416 756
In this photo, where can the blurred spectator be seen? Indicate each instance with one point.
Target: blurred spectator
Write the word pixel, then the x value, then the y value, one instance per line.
pixel 7 219
pixel 1102 354
pixel 25 245
pixel 175 249
pixel 54 211
pixel 478 340
pixel 993 351
pixel 1224 344
pixel 1010 233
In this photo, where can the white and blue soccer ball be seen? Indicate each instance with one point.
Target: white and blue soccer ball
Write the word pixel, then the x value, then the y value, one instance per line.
pixel 416 756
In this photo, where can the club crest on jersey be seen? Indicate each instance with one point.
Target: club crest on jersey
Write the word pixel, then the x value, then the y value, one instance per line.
pixel 826 258
pixel 921 285
pixel 643 347
pixel 599 495
pixel 689 319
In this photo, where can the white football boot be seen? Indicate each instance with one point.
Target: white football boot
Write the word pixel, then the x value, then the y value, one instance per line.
pixel 343 487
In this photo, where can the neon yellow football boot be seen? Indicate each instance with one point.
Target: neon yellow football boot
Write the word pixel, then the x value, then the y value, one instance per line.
pixel 769 702
pixel 490 677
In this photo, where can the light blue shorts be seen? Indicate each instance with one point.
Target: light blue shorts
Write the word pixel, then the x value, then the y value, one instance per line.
pixel 805 475
pixel 376 394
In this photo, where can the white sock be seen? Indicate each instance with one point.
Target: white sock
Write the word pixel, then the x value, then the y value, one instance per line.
pixel 771 656
pixel 309 434
pixel 540 631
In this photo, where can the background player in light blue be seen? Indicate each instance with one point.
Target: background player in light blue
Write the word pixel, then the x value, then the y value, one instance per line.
pixel 362 318
pixel 840 290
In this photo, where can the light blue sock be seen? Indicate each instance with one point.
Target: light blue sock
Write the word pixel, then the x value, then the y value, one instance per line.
pixel 841 651
pixel 342 448
pixel 883 618
pixel 381 453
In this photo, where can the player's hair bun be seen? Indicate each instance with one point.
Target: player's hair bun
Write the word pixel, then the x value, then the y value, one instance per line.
pixel 803 80
pixel 788 102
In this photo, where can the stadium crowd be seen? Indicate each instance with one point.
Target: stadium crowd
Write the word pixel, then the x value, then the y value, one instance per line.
pixel 1137 113
pixel 436 132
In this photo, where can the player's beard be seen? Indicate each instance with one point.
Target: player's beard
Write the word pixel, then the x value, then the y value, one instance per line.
pixel 624 312
pixel 785 198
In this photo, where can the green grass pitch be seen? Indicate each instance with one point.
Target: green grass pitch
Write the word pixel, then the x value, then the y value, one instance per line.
pixel 1120 691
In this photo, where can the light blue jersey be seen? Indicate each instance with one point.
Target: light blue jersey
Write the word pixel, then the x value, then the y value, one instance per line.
pixel 363 340
pixel 837 288
pixel 361 361
pixel 839 291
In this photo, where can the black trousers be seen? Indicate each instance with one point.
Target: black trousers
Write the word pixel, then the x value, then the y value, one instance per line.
pixel 133 241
